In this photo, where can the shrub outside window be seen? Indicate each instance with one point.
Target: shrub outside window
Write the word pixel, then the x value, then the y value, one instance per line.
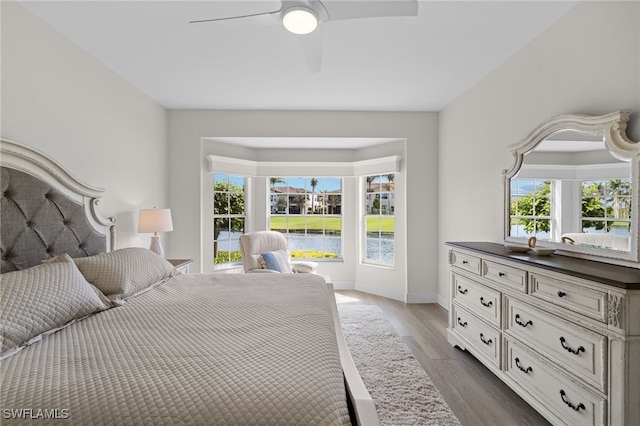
pixel 228 217
pixel 531 208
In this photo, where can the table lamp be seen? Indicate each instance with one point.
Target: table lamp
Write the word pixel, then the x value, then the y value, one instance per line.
pixel 155 220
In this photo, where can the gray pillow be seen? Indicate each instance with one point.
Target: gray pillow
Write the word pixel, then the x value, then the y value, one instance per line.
pixel 125 272
pixel 42 298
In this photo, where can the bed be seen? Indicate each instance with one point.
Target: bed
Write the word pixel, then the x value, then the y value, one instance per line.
pixel 96 335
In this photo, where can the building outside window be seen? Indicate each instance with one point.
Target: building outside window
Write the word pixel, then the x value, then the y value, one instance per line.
pixel 228 217
pixel 308 211
pixel 379 211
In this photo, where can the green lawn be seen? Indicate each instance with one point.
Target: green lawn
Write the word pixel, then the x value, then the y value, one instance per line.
pixel 313 222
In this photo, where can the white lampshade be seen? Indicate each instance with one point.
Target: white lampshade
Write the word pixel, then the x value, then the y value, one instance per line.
pixel 155 220
pixel 300 20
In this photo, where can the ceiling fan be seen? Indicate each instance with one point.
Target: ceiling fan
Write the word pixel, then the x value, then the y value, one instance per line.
pixel 304 17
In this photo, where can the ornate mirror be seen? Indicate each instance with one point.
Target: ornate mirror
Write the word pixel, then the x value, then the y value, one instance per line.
pixel 574 186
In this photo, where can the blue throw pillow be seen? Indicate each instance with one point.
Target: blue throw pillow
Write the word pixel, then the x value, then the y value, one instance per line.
pixel 277 261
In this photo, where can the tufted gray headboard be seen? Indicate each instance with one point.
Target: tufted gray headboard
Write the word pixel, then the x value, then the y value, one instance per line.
pixel 45 211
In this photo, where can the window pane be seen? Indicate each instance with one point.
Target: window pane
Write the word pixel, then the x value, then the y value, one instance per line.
pixel 220 226
pixel 594 226
pixel 237 226
pixel 220 203
pixel 236 203
pixel 373 226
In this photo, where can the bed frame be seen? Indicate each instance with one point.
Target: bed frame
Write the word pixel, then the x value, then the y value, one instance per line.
pixel 46 212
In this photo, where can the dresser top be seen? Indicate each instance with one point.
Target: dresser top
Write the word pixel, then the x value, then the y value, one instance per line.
pixel 614 275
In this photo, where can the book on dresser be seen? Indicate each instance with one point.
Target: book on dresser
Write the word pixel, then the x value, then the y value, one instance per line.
pixel 562 332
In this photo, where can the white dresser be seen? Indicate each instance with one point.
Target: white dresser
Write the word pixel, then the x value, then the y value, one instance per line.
pixel 562 332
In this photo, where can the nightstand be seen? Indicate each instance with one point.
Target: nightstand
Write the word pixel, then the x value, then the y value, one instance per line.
pixel 181 265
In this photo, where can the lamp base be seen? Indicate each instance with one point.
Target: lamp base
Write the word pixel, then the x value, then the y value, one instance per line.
pixel 156 246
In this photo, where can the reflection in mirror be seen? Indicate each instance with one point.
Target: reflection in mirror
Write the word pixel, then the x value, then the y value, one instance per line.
pixel 571 189
pixel 574 187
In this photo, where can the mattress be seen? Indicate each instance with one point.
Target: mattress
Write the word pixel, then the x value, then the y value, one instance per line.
pixel 196 350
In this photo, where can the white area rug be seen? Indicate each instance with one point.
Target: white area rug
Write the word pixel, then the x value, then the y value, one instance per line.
pixel 402 390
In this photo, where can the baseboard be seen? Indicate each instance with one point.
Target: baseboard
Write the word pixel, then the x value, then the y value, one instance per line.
pixel 443 301
pixel 389 293
pixel 344 285
pixel 395 294
pixel 422 298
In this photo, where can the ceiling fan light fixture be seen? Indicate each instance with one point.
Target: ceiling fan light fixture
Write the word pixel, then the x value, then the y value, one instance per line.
pixel 300 20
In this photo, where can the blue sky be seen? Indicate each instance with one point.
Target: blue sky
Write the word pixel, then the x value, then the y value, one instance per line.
pixel 324 184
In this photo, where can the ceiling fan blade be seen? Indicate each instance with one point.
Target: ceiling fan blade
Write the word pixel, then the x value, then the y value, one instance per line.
pixel 199 21
pixel 312 49
pixel 338 10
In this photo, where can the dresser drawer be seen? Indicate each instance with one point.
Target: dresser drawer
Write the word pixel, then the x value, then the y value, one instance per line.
pixel 483 301
pixel 484 340
pixel 465 261
pixel 505 275
pixel 571 402
pixel 583 300
pixel 574 348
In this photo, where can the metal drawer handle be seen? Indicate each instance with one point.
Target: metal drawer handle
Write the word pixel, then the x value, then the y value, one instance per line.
pixel 575 407
pixel 501 274
pixel 524 370
pixel 522 324
pixel 487 304
pixel 464 324
pixel 561 294
pixel 486 342
pixel 465 262
pixel 573 351
pixel 462 291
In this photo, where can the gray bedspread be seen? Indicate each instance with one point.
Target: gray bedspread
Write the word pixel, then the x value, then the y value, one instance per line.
pixel 199 350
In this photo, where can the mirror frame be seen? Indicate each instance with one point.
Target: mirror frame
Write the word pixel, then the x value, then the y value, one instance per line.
pixel 613 126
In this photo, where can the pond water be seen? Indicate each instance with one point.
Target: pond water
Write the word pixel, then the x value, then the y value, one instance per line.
pixel 379 250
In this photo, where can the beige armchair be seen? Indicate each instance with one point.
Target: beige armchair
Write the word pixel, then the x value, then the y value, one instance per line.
pixel 268 251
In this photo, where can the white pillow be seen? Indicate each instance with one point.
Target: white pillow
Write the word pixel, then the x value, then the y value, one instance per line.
pixel 41 298
pixel 304 266
pixel 125 272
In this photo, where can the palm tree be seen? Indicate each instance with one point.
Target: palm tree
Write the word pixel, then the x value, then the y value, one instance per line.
pixel 619 192
pixel 275 180
pixel 369 181
pixel 314 183
pixel 390 180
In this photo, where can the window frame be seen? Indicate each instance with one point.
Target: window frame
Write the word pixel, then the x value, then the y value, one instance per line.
pixel 231 217
pixel 311 197
pixel 603 204
pixel 365 187
pixel 534 217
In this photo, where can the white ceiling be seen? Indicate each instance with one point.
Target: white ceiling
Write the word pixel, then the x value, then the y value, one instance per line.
pixel 379 64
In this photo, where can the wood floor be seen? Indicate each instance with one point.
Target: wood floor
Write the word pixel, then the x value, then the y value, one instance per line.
pixel 474 394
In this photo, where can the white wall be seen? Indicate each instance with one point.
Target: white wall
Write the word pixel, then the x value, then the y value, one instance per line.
pixel 587 62
pixel 187 127
pixel 63 102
